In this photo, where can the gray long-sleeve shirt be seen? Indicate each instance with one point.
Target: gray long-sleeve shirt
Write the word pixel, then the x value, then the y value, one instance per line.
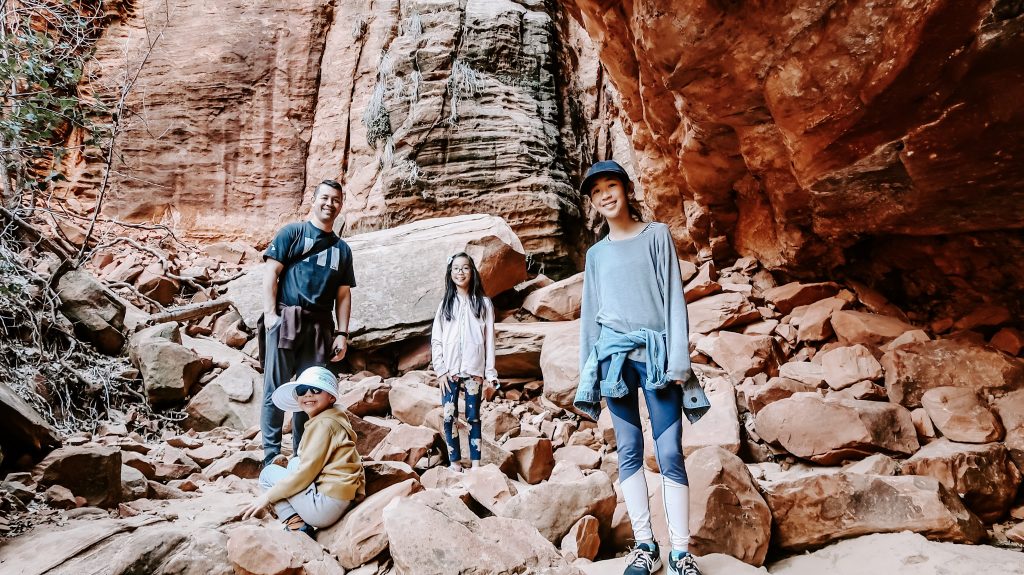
pixel 633 283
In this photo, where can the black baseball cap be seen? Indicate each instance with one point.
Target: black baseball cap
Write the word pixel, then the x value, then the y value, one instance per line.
pixel 603 168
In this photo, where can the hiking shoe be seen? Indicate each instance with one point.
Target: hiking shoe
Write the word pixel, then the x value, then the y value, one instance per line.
pixel 644 559
pixel 293 524
pixel 275 459
pixel 682 563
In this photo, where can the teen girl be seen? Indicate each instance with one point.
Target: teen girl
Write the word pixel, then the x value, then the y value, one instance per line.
pixel 462 348
pixel 633 339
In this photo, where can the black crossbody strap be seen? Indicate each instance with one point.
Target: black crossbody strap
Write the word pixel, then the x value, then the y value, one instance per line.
pixel 292 260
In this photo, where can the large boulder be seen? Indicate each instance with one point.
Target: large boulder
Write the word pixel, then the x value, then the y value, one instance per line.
pixel 517 347
pixel 983 475
pixel 741 355
pixel 189 541
pixel 583 539
pixel 23 431
pixel 264 551
pixel 360 536
pixel 559 301
pixel 794 294
pixel 773 390
pixel 449 538
pixel 720 311
pixel 213 407
pixel 489 486
pixel 853 327
pixel 383 474
pixel 828 431
pixel 370 432
pixel 727 513
pixel 846 365
pixel 961 415
pixel 719 426
pixel 405 443
pixel 89 471
pixel 534 457
pixel 411 399
pixel 554 506
pixel 916 367
pixel 560 364
pixel 169 369
pixel 814 510
pixel 390 307
pixel 1010 408
pixel 246 293
pixel 220 402
pixel 816 320
pixel 904 553
pixel 368 396
pixel 97 315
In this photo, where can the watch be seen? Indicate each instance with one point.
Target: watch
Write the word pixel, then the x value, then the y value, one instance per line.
pixel 338 332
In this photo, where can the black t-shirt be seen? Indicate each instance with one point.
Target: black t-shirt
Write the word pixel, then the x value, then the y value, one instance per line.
pixel 311 282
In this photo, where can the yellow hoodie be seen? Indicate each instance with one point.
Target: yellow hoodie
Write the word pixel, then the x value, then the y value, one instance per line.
pixel 329 457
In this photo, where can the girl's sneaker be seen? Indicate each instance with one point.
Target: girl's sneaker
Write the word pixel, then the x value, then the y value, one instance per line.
pixel 644 559
pixel 295 523
pixel 682 563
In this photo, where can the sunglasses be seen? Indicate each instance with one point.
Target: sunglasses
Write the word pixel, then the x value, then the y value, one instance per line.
pixel 301 390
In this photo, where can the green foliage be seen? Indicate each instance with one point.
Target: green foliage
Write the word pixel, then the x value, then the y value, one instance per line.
pixel 39 102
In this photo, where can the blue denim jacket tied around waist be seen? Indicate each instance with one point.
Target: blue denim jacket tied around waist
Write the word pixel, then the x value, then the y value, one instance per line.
pixel 615 345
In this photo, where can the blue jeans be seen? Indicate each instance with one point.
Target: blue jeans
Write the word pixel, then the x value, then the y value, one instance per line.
pixel 450 404
pixel 279 367
pixel 313 507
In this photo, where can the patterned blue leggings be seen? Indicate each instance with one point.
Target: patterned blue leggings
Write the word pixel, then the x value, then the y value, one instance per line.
pixel 666 409
pixel 450 403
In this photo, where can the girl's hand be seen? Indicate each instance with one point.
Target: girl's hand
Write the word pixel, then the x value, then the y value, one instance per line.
pixel 445 384
pixel 257 508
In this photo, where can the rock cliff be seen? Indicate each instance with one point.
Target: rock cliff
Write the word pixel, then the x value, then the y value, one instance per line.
pixel 883 136
pixel 421 109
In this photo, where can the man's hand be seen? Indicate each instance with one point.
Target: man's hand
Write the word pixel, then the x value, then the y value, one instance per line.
pixel 270 319
pixel 256 508
pixel 339 347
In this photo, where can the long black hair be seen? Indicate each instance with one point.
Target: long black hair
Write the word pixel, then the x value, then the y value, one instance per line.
pixel 476 288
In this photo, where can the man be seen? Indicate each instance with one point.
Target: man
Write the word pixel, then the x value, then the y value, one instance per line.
pixel 307 302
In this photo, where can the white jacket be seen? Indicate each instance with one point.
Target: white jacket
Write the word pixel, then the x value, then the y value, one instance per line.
pixel 465 345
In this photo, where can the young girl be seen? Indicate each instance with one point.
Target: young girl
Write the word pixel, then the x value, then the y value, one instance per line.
pixel 462 346
pixel 319 484
pixel 633 338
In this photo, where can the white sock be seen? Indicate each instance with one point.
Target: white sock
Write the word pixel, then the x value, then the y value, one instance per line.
pixel 634 491
pixel 677 510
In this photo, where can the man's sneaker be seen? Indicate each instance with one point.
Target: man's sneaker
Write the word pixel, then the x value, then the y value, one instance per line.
pixel 682 563
pixel 644 559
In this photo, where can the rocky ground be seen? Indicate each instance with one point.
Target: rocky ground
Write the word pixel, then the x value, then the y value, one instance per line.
pixel 837 426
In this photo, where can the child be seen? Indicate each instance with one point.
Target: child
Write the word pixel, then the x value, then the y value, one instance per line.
pixel 462 346
pixel 320 483
pixel 633 337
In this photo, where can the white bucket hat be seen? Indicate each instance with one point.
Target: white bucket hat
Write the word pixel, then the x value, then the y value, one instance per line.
pixel 319 377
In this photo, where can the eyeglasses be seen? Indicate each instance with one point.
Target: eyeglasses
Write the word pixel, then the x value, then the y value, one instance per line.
pixel 301 390
pixel 463 269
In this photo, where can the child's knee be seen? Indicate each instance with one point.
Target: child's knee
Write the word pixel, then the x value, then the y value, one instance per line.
pixel 448 410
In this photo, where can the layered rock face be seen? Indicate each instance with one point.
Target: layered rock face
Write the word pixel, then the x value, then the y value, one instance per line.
pixel 421 109
pixel 811 133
